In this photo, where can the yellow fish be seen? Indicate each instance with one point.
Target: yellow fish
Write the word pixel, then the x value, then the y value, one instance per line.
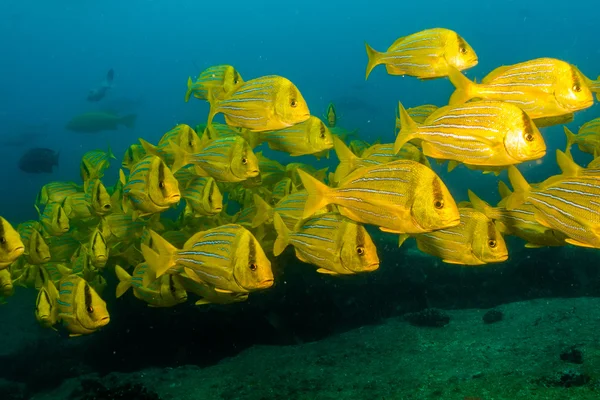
pixel 332 242
pixel 400 197
pixel 133 155
pixel 56 192
pixel 54 219
pixel 150 188
pixel 221 78
pixel 425 54
pixel 229 258
pixel 282 189
pixel 62 247
pixel 202 196
pixel 37 250
pixel 46 306
pixel 331 116
pixel 290 209
pixel 98 198
pixel 262 104
pixel 593 85
pixel 587 138
pixel 229 159
pixel 166 291
pixel 543 87
pixel 6 283
pixel 419 114
pixel 308 137
pixel 475 241
pixel 80 308
pixel 11 246
pixel 182 135
pixel 94 163
pixel 209 295
pixel 491 133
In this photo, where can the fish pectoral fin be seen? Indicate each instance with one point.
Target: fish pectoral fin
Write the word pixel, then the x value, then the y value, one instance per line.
pixel 453 262
pixel 192 275
pixel 326 271
pixel 75 334
pixel 578 243
pixel 387 230
pixel 223 291
pixel 202 302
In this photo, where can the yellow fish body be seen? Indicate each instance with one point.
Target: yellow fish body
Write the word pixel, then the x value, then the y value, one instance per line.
pixel 308 137
pixel 543 87
pixel 80 308
pixel 332 242
pixel 282 189
pixel 6 283
pixel 56 192
pixel 491 133
pixel 98 198
pixel 202 196
pixel 166 291
pixel 36 249
pixel 425 54
pixel 151 187
pixel 331 116
pixel 62 247
pixel 182 135
pixel 228 258
pixel 94 163
pixel 11 246
pixel 220 78
pixel 262 104
pixel 587 138
pixel 420 113
pixel 475 241
pixel 402 197
pixel 54 219
pixel 290 209
pixel 133 155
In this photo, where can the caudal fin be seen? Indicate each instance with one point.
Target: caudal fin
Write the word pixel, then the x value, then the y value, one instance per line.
pixel 480 205
pixel 566 164
pixel 520 186
pixel 161 260
pixel 465 89
pixel 264 212
pixel 283 235
pixel 347 159
pixel 409 128
pixel 188 92
pixel 181 157
pixel 213 102
pixel 317 194
pixel 124 281
pixel 374 59
pixel 128 121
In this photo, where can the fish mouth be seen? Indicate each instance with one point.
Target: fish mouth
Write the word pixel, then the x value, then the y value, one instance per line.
pixel 104 321
pixel 372 267
pixel 17 252
pixel 266 284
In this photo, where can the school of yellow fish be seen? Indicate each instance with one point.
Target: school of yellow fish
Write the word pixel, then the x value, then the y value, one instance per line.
pixel 87 230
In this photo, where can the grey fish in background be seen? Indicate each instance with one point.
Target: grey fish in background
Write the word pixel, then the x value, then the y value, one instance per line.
pixel 38 160
pixel 99 93
pixel 93 122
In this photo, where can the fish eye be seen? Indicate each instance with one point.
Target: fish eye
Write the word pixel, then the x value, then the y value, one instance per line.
pixel 576 88
pixel 439 204
pixel 322 136
pixel 529 137
pixel 293 103
pixel 161 184
pixel 462 49
pixel 244 160
pixel 360 250
pixel 2 240
pixel 107 206
pixel 492 243
pixel 253 267
pixel 90 309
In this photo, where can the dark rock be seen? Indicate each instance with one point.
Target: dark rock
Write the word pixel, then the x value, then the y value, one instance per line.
pixel 95 390
pixel 493 316
pixel 572 355
pixel 429 317
pixel 567 378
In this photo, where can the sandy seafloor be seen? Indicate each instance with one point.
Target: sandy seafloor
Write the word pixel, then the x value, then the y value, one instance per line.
pixel 516 358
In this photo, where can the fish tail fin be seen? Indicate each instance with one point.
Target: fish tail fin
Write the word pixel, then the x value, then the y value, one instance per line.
pixel 503 189
pixel 283 235
pixel 374 59
pixel 566 164
pixel 465 89
pixel 571 140
pixel 188 92
pixel 149 148
pixel 480 205
pixel 212 101
pixel 264 211
pixel 124 281
pixel 520 186
pixel 409 127
pixel 181 157
pixel 128 121
pixel 347 159
pixel 317 193
pixel 160 261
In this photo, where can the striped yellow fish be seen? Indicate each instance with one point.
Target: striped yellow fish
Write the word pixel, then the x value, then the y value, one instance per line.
pixel 98 198
pixel 11 246
pixel 282 189
pixel 568 205
pixel 54 219
pixel 332 242
pixel 150 187
pixel 228 257
pixel 36 248
pixel 587 138
pixel 290 209
pixel 166 291
pixel 94 163
pixel 400 197
pixel 182 135
pixel 133 155
pixel 475 241
pixel 6 283
pixel 519 222
pixel 262 104
pixel 491 133
pixel 202 196
pixel 228 159
pixel 425 54
pixel 331 116
pixel 56 192
pixel 349 162
pixel 209 295
pixel 221 78
pixel 80 308
pixel 543 87
pixel 308 137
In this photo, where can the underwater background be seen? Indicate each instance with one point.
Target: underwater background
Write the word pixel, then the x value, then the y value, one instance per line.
pixel 54 52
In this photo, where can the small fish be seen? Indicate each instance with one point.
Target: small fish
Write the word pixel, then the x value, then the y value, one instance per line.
pixel 36 249
pixel 308 137
pixel 93 122
pixel 490 133
pixel 80 308
pixel 221 78
pixel 98 198
pixel 202 196
pixel 543 87
pixel 166 291
pixel 331 116
pixel 97 249
pixel 54 219
pixel 38 160
pixel 228 258
pixel 62 247
pixel 56 192
pixel 587 138
pixel 133 155
pixel 182 135
pixel 150 188
pixel 400 197
pixel 425 54
pixel 418 114
pixel 290 209
pixel 6 283
pixel 94 163
pixel 358 146
pixel 98 93
pixel 76 206
pixel 229 159
pixel 46 305
pixel 282 189
pixel 475 241
pixel 332 242
pixel 262 104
